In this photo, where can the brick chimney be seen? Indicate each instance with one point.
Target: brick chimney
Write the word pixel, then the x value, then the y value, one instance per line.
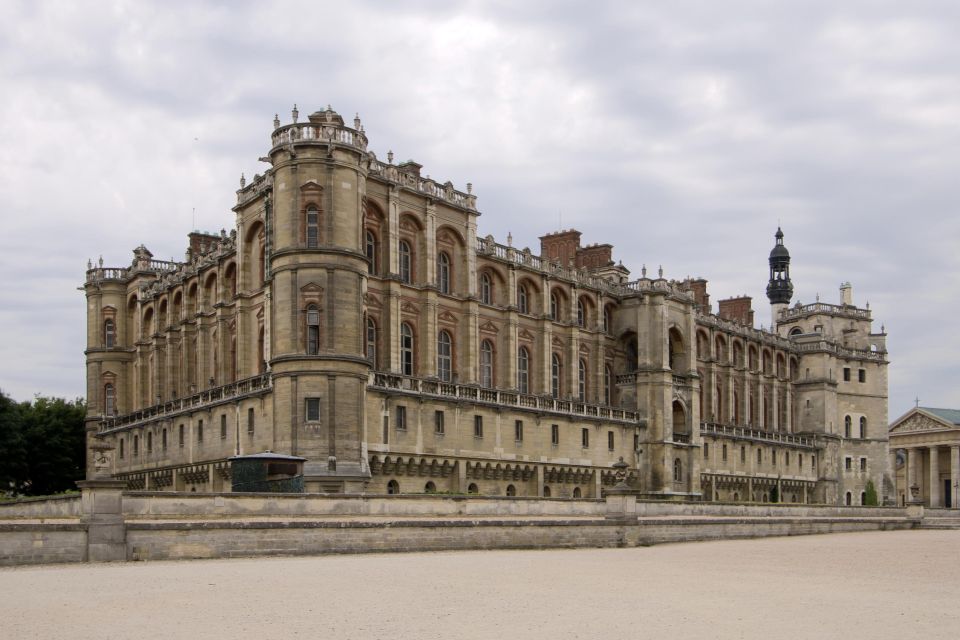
pixel 739 310
pixel 698 287
pixel 561 246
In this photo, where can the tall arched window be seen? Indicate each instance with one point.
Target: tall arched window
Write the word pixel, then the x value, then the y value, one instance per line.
pixel 443 272
pixel 444 356
pixel 486 289
pixel 863 427
pixel 372 342
pixel 486 363
pixel 109 333
pixel 607 321
pixel 406 262
pixel 371 251
pixel 523 370
pixel 523 302
pixel 406 349
pixel 554 306
pixel 582 380
pixel 313 330
pixel 109 399
pixel 581 313
pixel 847 426
pixel 555 373
pixel 677 470
pixel 607 385
pixel 313 227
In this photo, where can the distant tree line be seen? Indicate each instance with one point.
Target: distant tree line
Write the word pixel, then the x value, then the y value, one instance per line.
pixel 42 449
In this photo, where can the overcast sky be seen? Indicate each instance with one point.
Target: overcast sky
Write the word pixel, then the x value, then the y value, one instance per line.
pixel 681 132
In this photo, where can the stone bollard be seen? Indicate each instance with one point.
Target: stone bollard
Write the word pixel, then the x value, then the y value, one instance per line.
pixel 101 502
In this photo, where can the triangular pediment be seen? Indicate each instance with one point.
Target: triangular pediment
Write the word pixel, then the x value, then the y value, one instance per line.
pixel 373 301
pixel 311 185
pixel 446 316
pixel 489 327
pixel 557 342
pixel 918 420
pixel 525 335
pixel 311 287
pixel 409 307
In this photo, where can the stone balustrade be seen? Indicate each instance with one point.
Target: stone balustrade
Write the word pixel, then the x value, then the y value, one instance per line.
pixel 712 428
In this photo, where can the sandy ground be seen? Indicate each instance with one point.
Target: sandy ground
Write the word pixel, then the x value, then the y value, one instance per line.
pixel 902 584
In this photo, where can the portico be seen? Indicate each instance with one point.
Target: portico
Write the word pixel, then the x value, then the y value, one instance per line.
pixel 925 452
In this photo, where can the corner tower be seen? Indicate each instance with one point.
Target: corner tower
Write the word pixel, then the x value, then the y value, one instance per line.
pixel 779 287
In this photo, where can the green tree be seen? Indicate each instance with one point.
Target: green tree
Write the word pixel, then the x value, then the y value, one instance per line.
pixel 871 498
pixel 42 445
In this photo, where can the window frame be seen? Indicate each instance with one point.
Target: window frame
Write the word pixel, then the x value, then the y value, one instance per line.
pixel 311 410
pixel 523 370
pixel 443 272
pixel 486 363
pixel 444 356
pixel 405 261
pixel 313 329
pixel 312 228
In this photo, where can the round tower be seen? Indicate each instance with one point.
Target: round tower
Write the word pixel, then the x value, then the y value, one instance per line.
pixel 779 287
pixel 319 273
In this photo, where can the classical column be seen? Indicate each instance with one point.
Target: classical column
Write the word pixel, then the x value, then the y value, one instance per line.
pixel 908 474
pixel 934 477
pixel 893 475
pixel 954 475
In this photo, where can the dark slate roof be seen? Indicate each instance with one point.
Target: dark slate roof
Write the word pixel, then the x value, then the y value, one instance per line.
pixel 950 415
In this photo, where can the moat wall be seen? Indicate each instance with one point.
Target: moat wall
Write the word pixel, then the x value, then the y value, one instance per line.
pixel 155 526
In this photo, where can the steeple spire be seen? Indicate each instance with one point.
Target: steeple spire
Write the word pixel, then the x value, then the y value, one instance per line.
pixel 779 287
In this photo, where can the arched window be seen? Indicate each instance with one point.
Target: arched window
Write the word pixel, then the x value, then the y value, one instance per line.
pixel 486 289
pixel 371 251
pixel 430 487
pixel 581 314
pixel 313 227
pixel 607 385
pixel 443 272
pixel 163 439
pixel 546 491
pixel 849 499
pixel 313 330
pixel 406 262
pixel 863 427
pixel 444 356
pixel 372 342
pixel 677 470
pixel 109 400
pixel 607 321
pixel 523 370
pixel 486 364
pixel 577 493
pixel 109 333
pixel 406 349
pixel 136 445
pixel 863 498
pixel 847 426
pixel 555 373
pixel 511 490
pixel 554 306
pixel 149 441
pixel 121 449
pixel 523 302
pixel 393 487
pixel 472 488
pixel 582 380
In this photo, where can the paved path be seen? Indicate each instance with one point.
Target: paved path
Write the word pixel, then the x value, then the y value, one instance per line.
pixel 898 584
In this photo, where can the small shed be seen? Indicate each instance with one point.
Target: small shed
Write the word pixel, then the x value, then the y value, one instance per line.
pixel 267 472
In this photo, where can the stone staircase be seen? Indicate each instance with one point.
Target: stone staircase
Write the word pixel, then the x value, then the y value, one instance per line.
pixel 941 522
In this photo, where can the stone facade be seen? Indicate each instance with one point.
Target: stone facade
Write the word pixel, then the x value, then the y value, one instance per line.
pixel 354 316
pixel 925 453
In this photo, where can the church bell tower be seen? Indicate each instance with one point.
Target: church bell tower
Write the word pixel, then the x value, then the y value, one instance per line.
pixel 779 287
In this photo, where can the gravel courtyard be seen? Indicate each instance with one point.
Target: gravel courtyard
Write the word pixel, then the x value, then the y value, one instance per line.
pixel 899 584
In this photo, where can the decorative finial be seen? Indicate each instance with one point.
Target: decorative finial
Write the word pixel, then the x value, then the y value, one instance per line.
pixel 643 271
pixel 509 239
pixel 917 401
pixel 329 107
pixel 469 187
pixel 276 121
pixel 89 264
pixel 356 121
pixel 295 113
pixel 868 304
pixel 660 272
pixel 100 262
pixel 390 157
pixel 818 296
pixel 883 328
pixel 243 181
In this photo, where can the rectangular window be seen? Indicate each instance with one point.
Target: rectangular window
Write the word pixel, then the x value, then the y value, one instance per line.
pixel 786 459
pixel 121 448
pixel 863 464
pixel 636 442
pixel 386 429
pixel 200 431
pixel 846 374
pixel 223 427
pixel 554 434
pixel 610 443
pixel 438 422
pixel 800 461
pixel 862 374
pixel 773 457
pixel 518 430
pixel 585 438
pixel 181 439
pixel 250 425
pixel 401 418
pixel 706 450
pixel 848 463
pixel 813 462
pixel 312 412
pixel 743 455
pixel 477 426
pixel 723 453
pixel 163 441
